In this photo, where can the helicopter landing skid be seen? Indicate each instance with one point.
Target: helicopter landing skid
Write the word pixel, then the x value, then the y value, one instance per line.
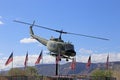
pixel 62 56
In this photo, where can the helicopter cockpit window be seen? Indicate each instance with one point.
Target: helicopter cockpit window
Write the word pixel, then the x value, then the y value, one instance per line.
pixel 69 47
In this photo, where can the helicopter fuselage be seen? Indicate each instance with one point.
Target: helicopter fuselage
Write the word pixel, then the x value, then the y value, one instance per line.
pixel 55 45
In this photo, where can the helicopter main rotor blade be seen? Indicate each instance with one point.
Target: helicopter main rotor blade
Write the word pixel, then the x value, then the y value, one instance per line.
pixel 60 31
pixel 88 36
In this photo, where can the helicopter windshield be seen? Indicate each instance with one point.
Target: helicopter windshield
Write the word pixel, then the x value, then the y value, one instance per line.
pixel 69 46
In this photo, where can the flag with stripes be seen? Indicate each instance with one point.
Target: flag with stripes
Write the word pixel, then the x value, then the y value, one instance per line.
pixel 107 62
pixel 39 58
pixel 26 60
pixel 9 60
pixel 73 64
pixel 89 62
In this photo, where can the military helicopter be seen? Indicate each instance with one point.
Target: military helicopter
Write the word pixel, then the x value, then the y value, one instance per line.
pixel 56 46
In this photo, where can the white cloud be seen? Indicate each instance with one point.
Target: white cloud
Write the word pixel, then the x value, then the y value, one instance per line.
pixel 28 40
pixel 1 22
pixel 85 51
pixel 96 57
pixel 47 59
pixel 0 17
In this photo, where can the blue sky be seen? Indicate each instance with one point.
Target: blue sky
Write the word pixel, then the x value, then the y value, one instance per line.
pixel 91 17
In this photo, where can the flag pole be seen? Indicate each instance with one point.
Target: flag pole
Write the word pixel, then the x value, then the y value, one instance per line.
pixel 58 58
pixel 56 67
pixel 42 57
pixel 107 65
pixel 12 67
pixel 107 62
pixel 74 67
pixel 88 65
pixel 26 61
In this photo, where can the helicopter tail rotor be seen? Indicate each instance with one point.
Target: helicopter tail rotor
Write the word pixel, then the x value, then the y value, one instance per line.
pixel 32 24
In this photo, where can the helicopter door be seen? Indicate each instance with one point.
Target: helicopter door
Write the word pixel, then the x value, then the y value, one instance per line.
pixel 52 46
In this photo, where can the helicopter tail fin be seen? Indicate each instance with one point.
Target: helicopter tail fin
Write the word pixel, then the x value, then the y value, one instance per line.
pixel 31 31
pixel 38 38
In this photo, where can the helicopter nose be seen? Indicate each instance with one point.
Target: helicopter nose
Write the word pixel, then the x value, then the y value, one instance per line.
pixel 74 53
pixel 70 52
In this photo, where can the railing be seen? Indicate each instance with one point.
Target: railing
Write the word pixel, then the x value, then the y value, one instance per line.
pixel 54 78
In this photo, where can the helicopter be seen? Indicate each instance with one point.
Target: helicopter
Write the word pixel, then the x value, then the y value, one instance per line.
pixel 57 46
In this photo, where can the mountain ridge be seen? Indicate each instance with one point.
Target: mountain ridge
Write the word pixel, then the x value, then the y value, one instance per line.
pixel 64 69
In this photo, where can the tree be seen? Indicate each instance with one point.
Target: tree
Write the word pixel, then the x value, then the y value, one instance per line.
pixel 97 73
pixel 16 72
pixel 28 71
pixel 116 74
pixel 31 71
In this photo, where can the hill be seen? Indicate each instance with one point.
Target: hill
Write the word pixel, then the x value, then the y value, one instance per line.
pixel 64 69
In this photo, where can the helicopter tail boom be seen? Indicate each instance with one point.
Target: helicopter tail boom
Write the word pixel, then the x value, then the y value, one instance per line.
pixel 38 38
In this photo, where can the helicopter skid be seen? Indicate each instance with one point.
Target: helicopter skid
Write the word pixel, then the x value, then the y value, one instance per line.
pixel 62 56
